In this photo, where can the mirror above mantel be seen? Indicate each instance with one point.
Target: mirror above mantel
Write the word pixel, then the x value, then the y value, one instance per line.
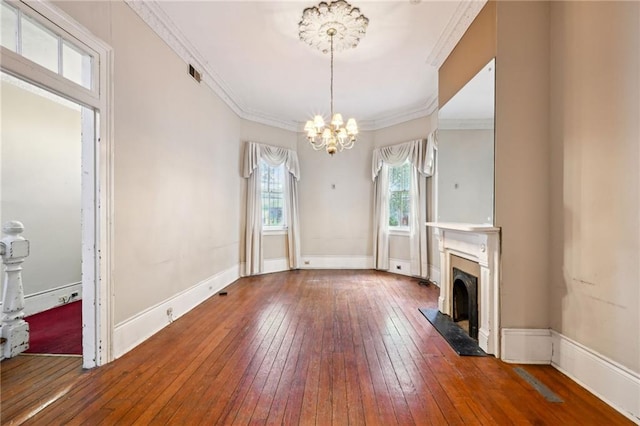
pixel 465 154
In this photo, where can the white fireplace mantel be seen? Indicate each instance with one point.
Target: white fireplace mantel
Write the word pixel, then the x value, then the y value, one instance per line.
pixel 481 244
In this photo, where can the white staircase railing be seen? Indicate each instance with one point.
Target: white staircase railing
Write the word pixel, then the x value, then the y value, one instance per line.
pixel 14 329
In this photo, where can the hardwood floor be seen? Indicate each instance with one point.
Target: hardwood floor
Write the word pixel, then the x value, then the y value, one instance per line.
pixel 303 347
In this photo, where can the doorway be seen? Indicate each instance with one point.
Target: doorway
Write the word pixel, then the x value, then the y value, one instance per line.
pixel 40 186
pixel 44 47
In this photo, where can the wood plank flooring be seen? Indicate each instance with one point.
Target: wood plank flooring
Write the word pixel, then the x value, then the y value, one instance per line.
pixel 303 347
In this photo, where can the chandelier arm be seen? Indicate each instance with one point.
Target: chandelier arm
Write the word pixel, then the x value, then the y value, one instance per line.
pixel 317 145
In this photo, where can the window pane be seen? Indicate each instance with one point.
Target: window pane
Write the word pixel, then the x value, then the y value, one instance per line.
pixel 39 44
pixel 76 65
pixel 399 198
pixel 272 182
pixel 9 21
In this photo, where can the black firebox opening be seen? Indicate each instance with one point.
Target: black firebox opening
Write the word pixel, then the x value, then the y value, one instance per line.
pixel 465 301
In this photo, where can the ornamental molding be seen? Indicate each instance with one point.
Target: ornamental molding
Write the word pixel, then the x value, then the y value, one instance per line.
pixel 349 23
pixel 461 19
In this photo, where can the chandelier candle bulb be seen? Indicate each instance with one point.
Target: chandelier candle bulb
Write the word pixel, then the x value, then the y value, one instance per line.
pixel 318 27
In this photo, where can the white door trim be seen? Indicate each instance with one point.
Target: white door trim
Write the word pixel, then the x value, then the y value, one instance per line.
pixel 97 172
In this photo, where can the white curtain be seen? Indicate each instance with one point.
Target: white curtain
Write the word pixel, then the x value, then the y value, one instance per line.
pixel 420 154
pixel 274 156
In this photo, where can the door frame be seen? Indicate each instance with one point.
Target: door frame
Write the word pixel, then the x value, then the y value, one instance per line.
pixel 97 168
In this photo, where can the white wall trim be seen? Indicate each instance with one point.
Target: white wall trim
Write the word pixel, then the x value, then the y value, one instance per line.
pixel 276 265
pixel 434 275
pixel 405 266
pixel 337 262
pixel 133 331
pixel 526 345
pixel 615 384
pixel 47 299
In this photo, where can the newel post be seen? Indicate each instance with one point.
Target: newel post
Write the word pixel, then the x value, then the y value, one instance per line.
pixel 14 249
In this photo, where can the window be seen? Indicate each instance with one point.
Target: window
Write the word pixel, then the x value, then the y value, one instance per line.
pixel 272 188
pixel 31 39
pixel 399 198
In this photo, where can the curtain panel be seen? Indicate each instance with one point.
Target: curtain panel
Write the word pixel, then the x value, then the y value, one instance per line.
pixel 274 156
pixel 420 154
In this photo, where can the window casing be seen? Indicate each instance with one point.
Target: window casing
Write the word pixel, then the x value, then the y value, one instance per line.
pixel 399 197
pixel 274 217
pixel 33 39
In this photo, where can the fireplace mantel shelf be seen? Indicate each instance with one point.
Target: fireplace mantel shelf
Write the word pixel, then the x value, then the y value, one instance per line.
pixel 468 227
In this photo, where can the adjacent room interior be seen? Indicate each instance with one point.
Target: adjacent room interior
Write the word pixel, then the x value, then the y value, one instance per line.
pixel 188 177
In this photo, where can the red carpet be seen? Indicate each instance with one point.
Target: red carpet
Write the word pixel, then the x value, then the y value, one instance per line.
pixel 56 331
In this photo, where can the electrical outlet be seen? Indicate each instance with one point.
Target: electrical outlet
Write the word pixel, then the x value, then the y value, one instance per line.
pixel 169 312
pixel 74 294
pixel 307 262
pixel 398 267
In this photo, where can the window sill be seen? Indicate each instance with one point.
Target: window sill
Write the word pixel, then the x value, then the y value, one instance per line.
pixel 404 232
pixel 275 231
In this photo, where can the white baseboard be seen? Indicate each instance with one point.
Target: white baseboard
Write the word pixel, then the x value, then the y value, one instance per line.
pixel 44 300
pixel 400 266
pixel 133 331
pixel 269 266
pixel 614 384
pixel 276 265
pixel 337 262
pixel 526 346
pixel 434 275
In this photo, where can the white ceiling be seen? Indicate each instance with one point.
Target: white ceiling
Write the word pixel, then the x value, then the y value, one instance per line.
pixel 250 54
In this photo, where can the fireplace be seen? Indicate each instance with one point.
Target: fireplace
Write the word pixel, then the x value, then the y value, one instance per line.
pixel 479 246
pixel 465 302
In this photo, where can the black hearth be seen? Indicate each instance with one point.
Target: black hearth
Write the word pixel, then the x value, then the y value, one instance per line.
pixel 465 302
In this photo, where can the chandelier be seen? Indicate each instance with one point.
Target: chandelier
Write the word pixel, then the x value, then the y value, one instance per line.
pixel 332 27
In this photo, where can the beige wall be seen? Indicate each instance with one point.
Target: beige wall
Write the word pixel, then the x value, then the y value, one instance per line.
pixel 177 150
pixel 336 222
pixel 522 161
pixel 261 133
pixel 40 184
pixel 339 222
pixel 594 112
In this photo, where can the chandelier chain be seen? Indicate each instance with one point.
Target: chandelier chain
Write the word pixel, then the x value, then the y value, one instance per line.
pixel 331 36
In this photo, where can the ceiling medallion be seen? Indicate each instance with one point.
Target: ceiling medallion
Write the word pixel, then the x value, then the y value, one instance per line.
pixel 350 25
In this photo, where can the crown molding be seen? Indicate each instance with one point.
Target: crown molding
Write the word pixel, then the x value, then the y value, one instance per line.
pixel 392 120
pixel 464 15
pixel 270 120
pixel 421 111
pixel 466 124
pixel 153 15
